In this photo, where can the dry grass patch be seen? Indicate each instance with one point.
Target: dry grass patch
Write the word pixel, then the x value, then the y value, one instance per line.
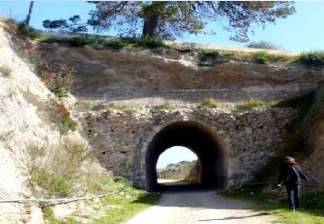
pixel 251 104
pixel 212 103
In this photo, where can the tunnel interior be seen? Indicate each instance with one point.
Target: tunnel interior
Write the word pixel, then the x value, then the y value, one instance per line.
pixel 202 140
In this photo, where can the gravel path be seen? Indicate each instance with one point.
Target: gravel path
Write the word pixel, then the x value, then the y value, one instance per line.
pixel 203 207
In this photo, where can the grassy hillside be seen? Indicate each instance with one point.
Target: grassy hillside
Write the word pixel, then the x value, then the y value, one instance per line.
pixel 124 202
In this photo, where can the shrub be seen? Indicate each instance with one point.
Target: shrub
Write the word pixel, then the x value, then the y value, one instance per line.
pixel 48 213
pixel 262 58
pixel 145 42
pixel 313 58
pixel 54 185
pixel 207 57
pixel 58 174
pixel 79 42
pixel 115 44
pixel 5 70
pixel 251 104
pixel 150 42
pixel 263 45
pixel 62 118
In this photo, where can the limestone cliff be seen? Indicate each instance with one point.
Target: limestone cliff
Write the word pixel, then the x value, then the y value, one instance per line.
pixel 29 137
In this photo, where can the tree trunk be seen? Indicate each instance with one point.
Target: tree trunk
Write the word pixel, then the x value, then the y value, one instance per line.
pixel 151 20
pixel 150 26
pixel 30 10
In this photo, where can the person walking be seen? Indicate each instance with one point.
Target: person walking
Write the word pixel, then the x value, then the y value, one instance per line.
pixel 291 175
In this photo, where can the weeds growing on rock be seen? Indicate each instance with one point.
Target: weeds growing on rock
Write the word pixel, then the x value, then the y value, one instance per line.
pixel 251 104
pixel 54 185
pixel 122 108
pixel 61 117
pixel 56 173
pixel 211 103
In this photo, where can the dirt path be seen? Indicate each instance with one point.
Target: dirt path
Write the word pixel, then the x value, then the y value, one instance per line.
pixel 203 207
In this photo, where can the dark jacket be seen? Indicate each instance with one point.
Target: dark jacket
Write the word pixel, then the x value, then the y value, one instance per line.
pixel 287 170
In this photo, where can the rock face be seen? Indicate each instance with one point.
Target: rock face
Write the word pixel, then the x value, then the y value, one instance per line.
pixel 141 76
pixel 22 95
pixel 25 128
pixel 249 139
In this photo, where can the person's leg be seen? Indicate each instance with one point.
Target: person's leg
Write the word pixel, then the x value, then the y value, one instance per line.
pixel 290 194
pixel 297 196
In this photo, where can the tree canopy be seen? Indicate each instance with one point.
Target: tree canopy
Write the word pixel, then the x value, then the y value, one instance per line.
pixel 73 24
pixel 170 19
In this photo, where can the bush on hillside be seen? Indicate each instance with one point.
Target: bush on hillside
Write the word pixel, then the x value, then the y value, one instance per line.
pixel 313 58
pixel 63 120
pixel 262 58
pixel 57 174
pixel 208 57
pixel 145 42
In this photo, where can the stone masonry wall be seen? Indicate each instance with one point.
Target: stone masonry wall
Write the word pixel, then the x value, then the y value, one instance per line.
pixel 250 139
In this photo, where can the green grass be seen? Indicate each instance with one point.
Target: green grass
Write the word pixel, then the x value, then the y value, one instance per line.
pixel 55 185
pixel 312 202
pixel 127 202
pixel 252 104
pixel 130 201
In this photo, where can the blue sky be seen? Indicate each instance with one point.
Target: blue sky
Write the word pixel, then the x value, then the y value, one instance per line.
pixel 302 31
pixel 175 154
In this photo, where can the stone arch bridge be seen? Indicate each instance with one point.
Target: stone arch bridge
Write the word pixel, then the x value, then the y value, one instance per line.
pixel 231 147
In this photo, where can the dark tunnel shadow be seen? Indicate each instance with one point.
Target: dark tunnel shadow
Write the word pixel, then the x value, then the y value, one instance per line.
pixel 203 198
pixel 199 138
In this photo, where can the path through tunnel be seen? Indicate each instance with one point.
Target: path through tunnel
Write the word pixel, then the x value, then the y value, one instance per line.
pixel 199 138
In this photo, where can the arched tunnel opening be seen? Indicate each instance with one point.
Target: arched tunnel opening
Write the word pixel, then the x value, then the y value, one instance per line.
pixel 202 140
pixel 177 166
